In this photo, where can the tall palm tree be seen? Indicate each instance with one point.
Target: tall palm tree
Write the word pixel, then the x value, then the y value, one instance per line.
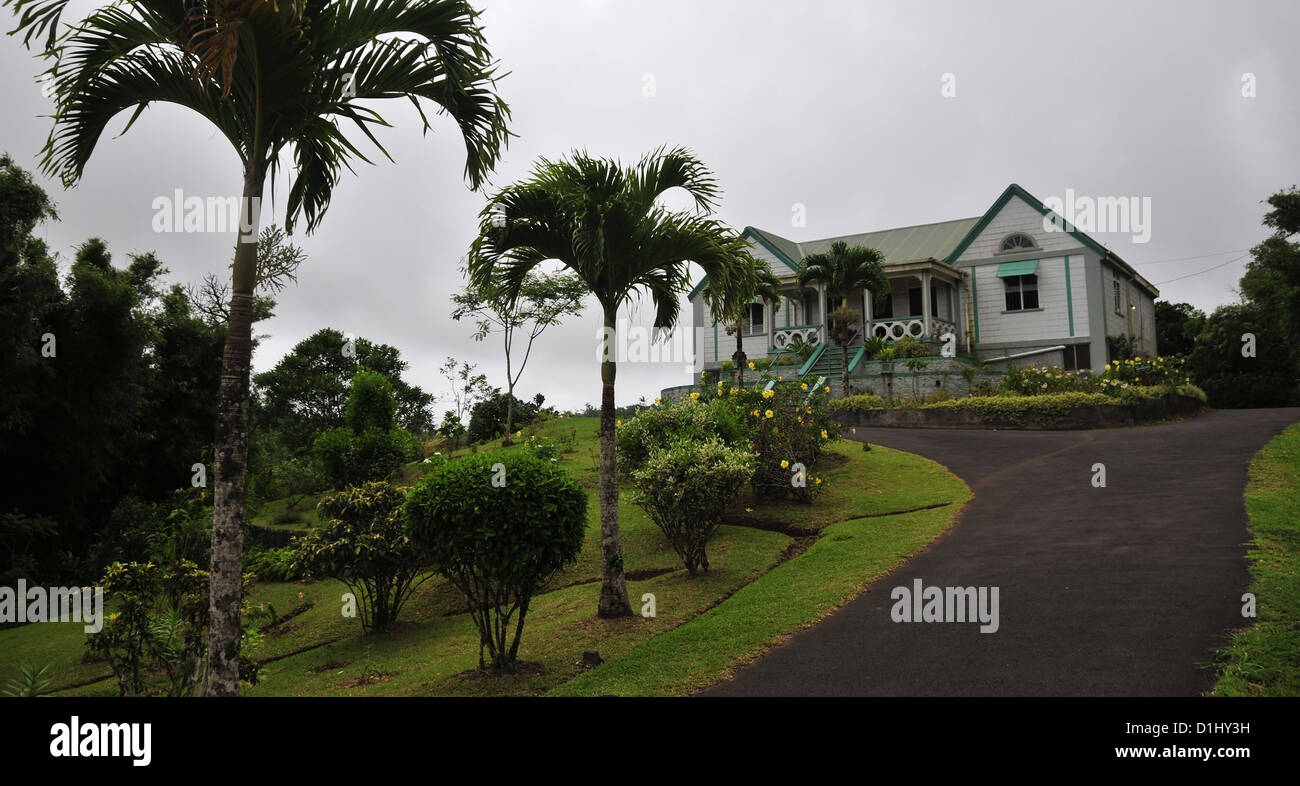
pixel 733 307
pixel 604 222
pixel 274 77
pixel 841 270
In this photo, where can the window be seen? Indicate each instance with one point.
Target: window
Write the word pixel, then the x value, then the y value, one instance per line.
pixel 1018 241
pixel 1078 357
pixel 754 325
pixel 1022 292
pixel 1115 282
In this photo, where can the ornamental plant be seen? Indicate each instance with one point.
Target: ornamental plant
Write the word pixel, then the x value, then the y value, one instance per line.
pixel 499 527
pixel 363 543
pixel 685 488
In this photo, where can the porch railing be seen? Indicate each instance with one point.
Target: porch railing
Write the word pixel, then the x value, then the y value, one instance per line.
pixel 809 334
pixel 892 329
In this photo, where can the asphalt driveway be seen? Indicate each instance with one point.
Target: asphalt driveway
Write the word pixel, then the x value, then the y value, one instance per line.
pixel 1122 590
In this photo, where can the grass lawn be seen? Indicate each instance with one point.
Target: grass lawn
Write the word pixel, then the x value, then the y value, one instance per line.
pixel 776 569
pixel 1264 659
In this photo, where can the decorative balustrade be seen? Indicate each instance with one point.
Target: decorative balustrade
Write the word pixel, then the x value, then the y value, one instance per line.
pixel 809 334
pixel 894 329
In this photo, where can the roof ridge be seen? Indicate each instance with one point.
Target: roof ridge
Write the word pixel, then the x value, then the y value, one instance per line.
pixel 890 229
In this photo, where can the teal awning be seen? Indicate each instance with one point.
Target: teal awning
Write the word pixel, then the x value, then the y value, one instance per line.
pixel 1024 267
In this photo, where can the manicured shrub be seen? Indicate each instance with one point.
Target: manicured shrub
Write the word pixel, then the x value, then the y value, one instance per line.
pixel 659 427
pixel 363 543
pixel 685 488
pixel 498 526
pixel 1146 372
pixel 1035 380
pixel 856 402
pixel 543 448
pixel 908 347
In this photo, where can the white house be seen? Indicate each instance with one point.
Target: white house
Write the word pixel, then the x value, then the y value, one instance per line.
pixel 1004 284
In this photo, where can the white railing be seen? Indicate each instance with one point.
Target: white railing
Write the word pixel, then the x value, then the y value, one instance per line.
pixel 809 334
pixel 894 329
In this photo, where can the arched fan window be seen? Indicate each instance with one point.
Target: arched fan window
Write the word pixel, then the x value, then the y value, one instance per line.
pixel 1018 241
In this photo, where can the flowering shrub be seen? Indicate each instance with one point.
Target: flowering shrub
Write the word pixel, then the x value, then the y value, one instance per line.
pixel 685 488
pixel 1146 372
pixel 787 425
pixel 542 448
pixel 1037 381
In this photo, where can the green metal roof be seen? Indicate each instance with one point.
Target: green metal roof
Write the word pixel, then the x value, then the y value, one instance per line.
pixel 904 244
pixel 1024 267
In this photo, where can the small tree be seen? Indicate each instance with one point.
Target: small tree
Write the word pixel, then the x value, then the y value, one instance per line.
pixel 498 527
pixel 685 489
pixel 364 544
pixel 539 303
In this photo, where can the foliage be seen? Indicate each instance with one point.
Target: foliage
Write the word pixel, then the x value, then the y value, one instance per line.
pixel 364 544
pixel 542 448
pixel 271 564
pixel 369 447
pixel 498 544
pixel 160 623
pixel 30 682
pixel 308 391
pixel 1121 347
pixel 1232 380
pixel 488 419
pixel 660 427
pixel 856 402
pixel 1177 326
pixel 1146 372
pixel 872 346
pixel 686 487
pixel 908 347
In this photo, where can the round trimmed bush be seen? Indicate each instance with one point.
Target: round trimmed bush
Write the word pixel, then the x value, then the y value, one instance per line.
pixel 499 526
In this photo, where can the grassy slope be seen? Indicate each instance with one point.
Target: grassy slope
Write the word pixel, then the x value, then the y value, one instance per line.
pixel 1264 659
pixel 322 653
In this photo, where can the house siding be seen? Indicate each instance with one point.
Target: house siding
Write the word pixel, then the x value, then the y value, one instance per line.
pixel 1016 215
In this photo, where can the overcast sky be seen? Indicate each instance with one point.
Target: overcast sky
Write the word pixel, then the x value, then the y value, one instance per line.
pixel 837 106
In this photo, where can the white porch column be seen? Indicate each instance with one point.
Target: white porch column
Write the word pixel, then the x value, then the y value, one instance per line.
pixel 866 314
pixel 770 308
pixel 926 317
pixel 821 312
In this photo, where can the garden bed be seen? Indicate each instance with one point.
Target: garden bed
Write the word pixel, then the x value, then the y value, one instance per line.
pixel 1052 412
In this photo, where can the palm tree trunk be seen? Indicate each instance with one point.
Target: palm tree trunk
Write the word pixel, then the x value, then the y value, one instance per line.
pixel 230 462
pixel 740 360
pixel 844 370
pixel 613 589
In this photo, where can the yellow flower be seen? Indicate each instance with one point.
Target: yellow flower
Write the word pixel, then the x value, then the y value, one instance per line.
pixel 853 431
pixel 784 463
pixel 695 396
pixel 824 434
pixel 618 422
pixel 827 389
pixel 754 413
pixel 819 481
pixel 751 365
pixel 519 433
pixel 803 386
pixel 767 414
pixel 734 391
pixel 656 399
pixel 749 510
pixel 1188 380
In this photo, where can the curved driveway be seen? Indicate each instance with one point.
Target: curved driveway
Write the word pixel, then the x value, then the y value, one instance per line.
pixel 1122 590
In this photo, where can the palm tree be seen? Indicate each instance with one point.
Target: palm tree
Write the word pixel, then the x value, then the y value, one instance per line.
pixel 603 222
pixel 842 270
pixel 274 77
pixel 760 283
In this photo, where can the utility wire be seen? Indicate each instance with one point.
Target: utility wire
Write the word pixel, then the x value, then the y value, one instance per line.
pixel 1199 272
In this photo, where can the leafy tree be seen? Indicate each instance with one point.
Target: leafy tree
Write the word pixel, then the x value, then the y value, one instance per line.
pixel 1272 277
pixel 364 544
pixel 274 79
pixel 491 416
pixel 278 261
pixel 1177 325
pixel 540 302
pixel 370 447
pixel 604 223
pixel 307 391
pixel 498 544
pixel 1231 380
pixel 841 270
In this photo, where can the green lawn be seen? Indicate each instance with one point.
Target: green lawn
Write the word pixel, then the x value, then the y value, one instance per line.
pixel 1264 659
pixel 704 626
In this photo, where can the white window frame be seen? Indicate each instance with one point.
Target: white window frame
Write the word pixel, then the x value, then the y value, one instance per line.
pixel 750 329
pixel 1017 284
